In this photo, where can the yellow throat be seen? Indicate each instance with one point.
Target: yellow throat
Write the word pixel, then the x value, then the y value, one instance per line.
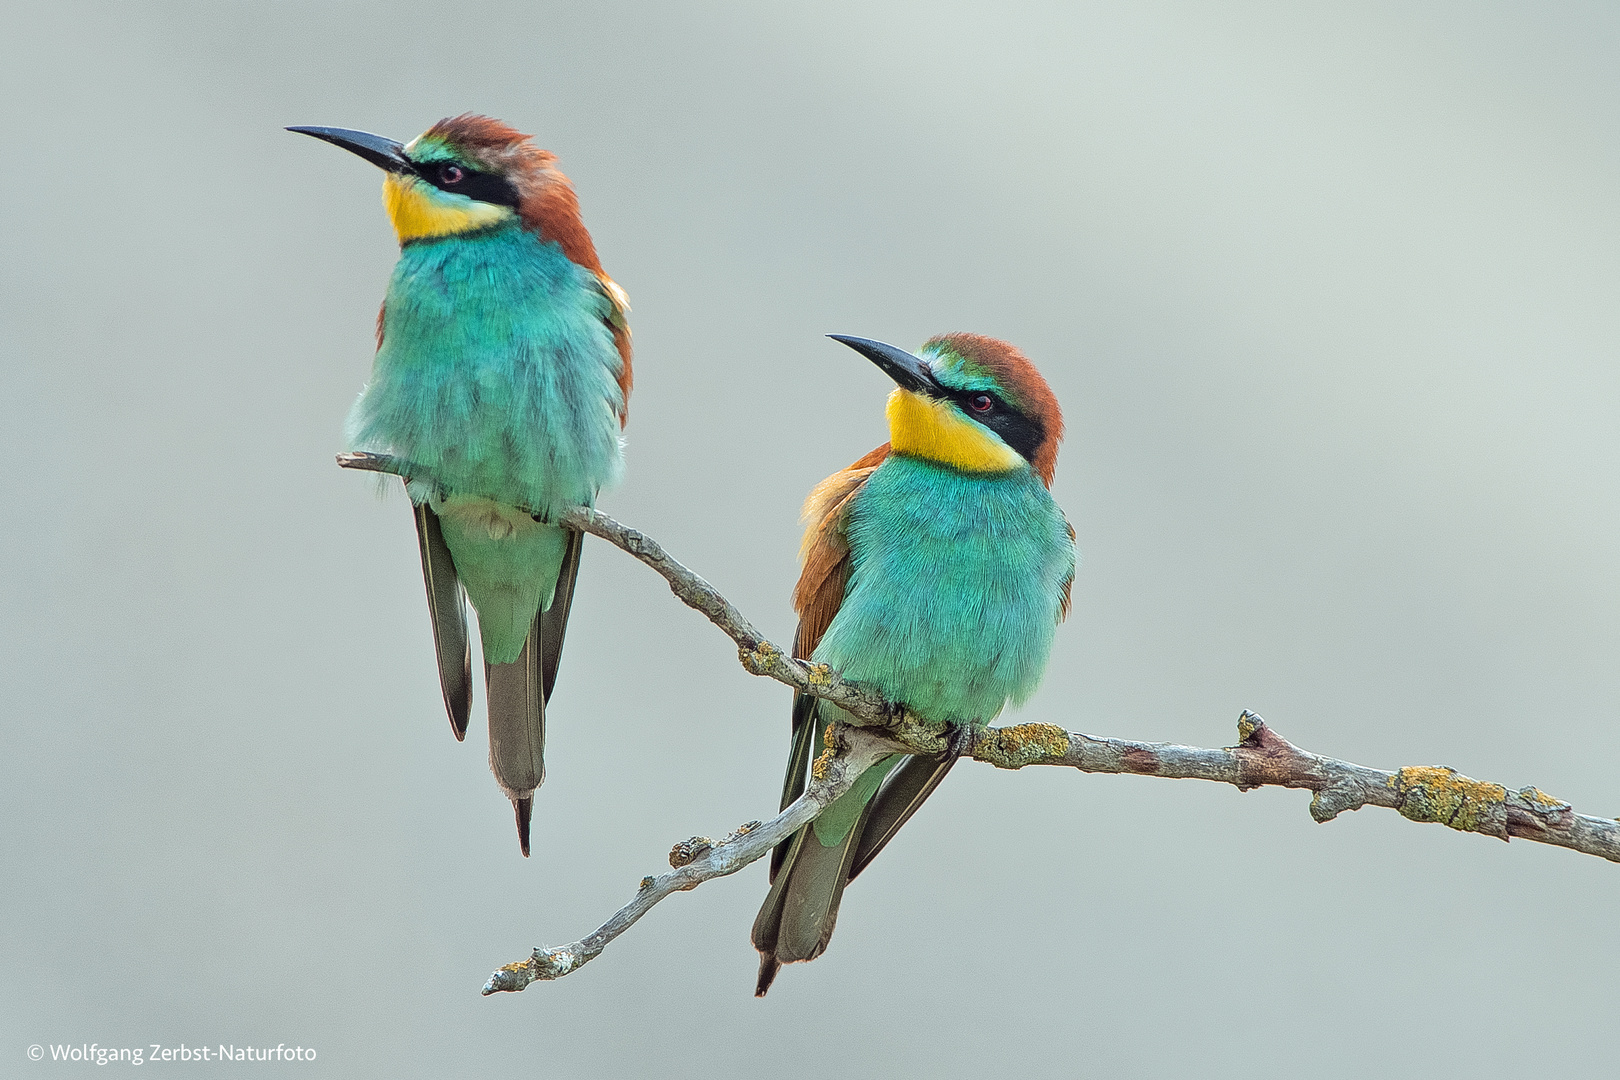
pixel 931 429
pixel 420 211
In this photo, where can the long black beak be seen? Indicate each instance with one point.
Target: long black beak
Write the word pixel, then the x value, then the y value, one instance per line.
pixel 911 373
pixel 383 153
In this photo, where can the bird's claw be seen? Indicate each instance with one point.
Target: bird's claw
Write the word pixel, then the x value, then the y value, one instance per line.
pixel 958 740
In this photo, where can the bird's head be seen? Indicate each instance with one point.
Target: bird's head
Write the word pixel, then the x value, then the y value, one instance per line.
pixel 968 401
pixel 463 174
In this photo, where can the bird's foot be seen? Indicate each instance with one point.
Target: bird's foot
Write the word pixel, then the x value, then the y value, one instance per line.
pixel 958 740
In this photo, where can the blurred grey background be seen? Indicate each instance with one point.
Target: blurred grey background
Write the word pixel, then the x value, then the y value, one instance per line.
pixel 1327 291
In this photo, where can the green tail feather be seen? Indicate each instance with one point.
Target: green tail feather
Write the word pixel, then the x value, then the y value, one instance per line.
pixel 510 574
pixel 518 693
pixel 809 871
pixel 797 919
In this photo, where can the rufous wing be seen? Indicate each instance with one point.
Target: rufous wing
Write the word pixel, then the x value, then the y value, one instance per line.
pixel 824 554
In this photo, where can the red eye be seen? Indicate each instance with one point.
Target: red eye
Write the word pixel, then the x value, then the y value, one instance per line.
pixel 451 174
pixel 981 403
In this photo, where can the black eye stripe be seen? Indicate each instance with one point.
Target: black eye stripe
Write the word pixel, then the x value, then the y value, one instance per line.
pixel 482 186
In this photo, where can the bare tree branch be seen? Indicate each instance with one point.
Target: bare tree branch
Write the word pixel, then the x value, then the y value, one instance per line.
pixel 1264 758
pixel 1261 758
pixel 699 859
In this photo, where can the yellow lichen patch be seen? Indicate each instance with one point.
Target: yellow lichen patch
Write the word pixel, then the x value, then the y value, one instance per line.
pixel 1435 793
pixel 761 658
pixel 1248 724
pixel 820 674
pixel 1023 744
pixel 819 767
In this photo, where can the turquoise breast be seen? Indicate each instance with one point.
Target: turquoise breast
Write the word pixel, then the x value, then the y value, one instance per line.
pixel 497 372
pixel 952 600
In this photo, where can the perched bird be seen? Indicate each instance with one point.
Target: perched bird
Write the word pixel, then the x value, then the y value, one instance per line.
pixel 502 372
pixel 936 570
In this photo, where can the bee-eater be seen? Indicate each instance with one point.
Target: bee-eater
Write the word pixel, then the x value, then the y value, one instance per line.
pixel 503 372
pixel 936 570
